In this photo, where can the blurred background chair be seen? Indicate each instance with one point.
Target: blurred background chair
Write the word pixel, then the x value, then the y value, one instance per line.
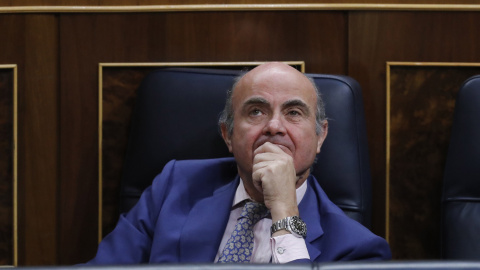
pixel 461 187
pixel 176 117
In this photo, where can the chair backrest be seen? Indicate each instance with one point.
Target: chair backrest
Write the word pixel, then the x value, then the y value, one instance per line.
pixel 461 186
pixel 176 117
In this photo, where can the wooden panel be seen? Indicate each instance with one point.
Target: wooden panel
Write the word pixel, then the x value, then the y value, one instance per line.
pixel 32 45
pixel 7 161
pixel 422 101
pixel 38 141
pixel 10 53
pixel 378 37
pixel 196 2
pixel 318 38
pixel 58 127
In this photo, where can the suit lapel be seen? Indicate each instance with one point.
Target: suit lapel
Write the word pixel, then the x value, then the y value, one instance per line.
pixel 208 218
pixel 206 224
pixel 309 212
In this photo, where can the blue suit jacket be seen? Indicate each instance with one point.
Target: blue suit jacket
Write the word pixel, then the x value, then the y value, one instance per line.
pixel 183 215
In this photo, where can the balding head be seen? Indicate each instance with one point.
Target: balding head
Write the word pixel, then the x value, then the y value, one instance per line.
pixel 227 115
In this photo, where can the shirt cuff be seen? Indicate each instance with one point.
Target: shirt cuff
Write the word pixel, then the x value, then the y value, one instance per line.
pixel 287 248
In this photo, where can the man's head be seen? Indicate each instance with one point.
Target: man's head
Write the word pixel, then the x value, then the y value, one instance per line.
pixel 274 103
pixel 226 117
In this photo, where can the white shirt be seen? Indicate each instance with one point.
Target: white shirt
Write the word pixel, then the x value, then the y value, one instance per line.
pixel 286 247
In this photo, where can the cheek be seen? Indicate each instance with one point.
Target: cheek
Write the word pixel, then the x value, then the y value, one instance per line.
pixel 246 134
pixel 243 142
pixel 239 138
pixel 305 147
pixel 241 149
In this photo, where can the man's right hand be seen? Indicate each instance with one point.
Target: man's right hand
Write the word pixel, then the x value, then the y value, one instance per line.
pixel 275 177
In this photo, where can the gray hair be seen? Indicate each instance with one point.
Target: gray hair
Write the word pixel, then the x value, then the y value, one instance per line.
pixel 226 116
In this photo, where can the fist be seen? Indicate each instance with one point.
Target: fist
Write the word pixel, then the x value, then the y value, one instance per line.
pixel 274 176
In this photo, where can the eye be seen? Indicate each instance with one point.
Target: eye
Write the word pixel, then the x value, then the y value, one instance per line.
pixel 255 112
pixel 294 113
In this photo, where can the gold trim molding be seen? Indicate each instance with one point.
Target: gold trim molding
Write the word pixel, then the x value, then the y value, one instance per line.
pixel 388 108
pixel 198 64
pixel 241 7
pixel 101 66
pixel 15 161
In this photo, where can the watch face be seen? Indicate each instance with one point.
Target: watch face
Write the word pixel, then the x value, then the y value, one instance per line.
pixel 299 226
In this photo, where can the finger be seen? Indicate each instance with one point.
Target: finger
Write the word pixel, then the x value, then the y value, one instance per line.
pixel 262 157
pixel 268 147
pixel 257 180
pixel 260 165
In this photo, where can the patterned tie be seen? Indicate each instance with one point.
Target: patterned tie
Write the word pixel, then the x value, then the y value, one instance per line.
pixel 240 245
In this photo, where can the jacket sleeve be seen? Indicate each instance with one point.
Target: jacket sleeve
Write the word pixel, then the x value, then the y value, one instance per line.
pixel 372 248
pixel 131 240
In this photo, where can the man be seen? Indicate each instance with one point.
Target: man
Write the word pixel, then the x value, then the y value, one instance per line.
pixel 274 124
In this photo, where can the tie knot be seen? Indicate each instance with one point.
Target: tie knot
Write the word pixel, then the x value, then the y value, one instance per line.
pixel 254 211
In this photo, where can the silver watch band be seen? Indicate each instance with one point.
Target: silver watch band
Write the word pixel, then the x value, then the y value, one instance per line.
pixel 293 224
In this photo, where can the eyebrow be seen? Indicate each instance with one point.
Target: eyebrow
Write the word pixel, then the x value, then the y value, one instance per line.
pixel 287 104
pixel 297 103
pixel 256 101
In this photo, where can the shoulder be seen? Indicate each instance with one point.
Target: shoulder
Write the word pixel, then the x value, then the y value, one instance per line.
pixel 329 211
pixel 196 165
pixel 195 175
pixel 218 168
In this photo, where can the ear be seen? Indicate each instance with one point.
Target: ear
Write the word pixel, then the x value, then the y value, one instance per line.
pixel 321 137
pixel 226 137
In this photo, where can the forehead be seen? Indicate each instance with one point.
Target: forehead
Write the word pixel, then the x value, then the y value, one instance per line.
pixel 276 86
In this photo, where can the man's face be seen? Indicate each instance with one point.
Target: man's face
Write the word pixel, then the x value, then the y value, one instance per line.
pixel 274 103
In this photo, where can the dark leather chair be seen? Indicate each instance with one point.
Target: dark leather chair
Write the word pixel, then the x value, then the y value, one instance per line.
pixel 461 186
pixel 176 117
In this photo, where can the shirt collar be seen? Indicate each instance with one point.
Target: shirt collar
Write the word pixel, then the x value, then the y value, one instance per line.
pixel 242 195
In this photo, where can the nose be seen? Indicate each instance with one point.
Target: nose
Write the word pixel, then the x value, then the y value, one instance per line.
pixel 274 127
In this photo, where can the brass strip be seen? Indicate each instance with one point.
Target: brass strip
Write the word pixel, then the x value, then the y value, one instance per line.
pixel 196 64
pixel 15 166
pixel 434 64
pixel 100 156
pixel 387 189
pixel 241 7
pixel 389 65
pixel 15 161
pixel 169 64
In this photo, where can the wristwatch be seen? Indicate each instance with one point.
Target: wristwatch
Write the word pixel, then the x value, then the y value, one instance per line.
pixel 293 224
